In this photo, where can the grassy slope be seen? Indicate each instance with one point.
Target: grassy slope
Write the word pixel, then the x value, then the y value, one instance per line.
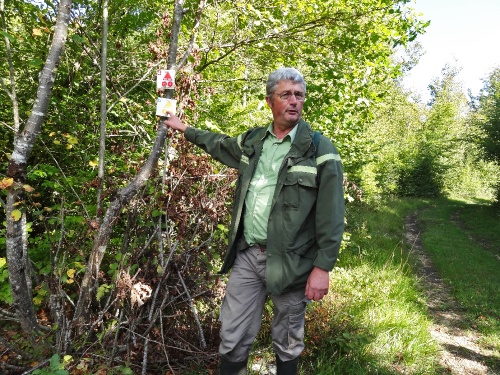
pixel 375 319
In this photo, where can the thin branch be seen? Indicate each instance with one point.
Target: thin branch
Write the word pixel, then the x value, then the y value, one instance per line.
pixel 145 356
pixel 8 126
pixel 142 79
pixel 39 365
pixel 66 179
pixel 8 315
pixel 201 6
pixel 12 93
pixel 193 309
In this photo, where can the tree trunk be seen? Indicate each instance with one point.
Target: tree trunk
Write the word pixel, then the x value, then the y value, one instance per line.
pixel 102 135
pixel 90 279
pixel 17 251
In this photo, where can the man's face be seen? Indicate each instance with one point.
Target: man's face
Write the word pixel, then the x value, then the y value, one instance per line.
pixel 286 113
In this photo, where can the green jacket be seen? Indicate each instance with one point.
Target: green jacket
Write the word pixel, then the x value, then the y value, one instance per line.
pixel 307 215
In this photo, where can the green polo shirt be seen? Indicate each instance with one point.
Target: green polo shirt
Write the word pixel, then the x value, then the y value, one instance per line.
pixel 261 190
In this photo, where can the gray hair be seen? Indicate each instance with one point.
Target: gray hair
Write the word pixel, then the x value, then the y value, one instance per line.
pixel 283 74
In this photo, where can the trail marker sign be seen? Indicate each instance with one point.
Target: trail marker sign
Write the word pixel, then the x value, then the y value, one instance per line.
pixel 164 105
pixel 165 79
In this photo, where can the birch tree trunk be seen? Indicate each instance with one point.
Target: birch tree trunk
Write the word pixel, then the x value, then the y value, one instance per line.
pixel 102 139
pixel 17 248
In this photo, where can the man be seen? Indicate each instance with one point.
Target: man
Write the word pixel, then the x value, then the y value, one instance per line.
pixel 286 227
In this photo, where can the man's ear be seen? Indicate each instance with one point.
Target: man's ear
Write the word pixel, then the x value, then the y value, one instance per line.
pixel 269 102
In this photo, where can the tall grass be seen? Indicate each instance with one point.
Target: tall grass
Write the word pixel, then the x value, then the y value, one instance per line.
pixel 375 319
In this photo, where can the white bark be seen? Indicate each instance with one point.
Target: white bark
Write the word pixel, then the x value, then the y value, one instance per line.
pixel 102 138
pixel 17 252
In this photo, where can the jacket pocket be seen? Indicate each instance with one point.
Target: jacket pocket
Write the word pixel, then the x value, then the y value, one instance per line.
pixel 299 190
pixel 307 250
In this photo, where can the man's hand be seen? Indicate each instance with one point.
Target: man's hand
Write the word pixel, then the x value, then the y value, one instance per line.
pixel 317 284
pixel 173 122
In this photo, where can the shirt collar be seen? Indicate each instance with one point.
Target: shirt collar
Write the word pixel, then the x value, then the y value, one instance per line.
pixel 291 134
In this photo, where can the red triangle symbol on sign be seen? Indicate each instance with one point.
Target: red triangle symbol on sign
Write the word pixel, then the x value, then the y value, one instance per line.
pixel 168 76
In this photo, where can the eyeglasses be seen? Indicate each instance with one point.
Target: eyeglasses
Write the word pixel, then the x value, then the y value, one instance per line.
pixel 285 96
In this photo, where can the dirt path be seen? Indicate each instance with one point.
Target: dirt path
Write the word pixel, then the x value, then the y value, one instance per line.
pixel 461 355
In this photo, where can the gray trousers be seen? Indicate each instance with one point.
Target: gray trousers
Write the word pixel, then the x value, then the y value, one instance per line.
pixel 241 311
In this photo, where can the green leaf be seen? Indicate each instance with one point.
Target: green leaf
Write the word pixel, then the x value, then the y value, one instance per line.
pixel 8 36
pixel 126 371
pixel 36 62
pixel 77 39
pixel 156 213
pixel 102 290
pixel 54 362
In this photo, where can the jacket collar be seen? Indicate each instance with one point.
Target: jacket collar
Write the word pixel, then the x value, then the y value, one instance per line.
pixel 303 139
pixel 301 143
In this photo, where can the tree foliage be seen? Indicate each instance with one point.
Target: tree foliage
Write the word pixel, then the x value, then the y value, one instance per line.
pixel 488 119
pixel 426 150
pixel 489 101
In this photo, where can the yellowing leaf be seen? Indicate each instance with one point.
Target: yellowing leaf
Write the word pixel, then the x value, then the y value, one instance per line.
pixel 159 269
pixel 71 272
pixel 3 262
pixel 16 215
pixel 93 163
pixel 67 359
pixel 37 32
pixel 51 134
pixel 6 182
pixel 28 188
pixel 72 140
pixel 69 147
pixel 56 142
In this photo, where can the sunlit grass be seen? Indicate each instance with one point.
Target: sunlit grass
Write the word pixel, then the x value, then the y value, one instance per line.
pixel 375 319
pixel 463 240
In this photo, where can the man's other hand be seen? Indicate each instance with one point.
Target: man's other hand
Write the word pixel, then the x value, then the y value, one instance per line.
pixel 317 284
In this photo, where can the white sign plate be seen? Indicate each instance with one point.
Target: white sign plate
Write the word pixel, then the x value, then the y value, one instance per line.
pixel 164 105
pixel 165 79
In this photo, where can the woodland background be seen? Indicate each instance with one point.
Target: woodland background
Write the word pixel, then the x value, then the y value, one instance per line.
pixel 113 230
